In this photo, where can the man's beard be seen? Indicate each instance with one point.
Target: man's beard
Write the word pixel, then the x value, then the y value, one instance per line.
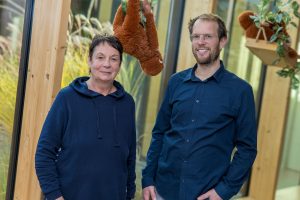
pixel 213 56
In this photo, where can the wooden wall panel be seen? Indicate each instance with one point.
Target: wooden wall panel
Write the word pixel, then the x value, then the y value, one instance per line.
pixel 270 135
pixel 46 59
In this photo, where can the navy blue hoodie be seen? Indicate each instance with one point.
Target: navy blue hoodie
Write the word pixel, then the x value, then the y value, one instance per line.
pixel 87 145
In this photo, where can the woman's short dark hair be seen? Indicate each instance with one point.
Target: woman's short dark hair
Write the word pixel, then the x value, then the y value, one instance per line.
pixel 222 31
pixel 111 40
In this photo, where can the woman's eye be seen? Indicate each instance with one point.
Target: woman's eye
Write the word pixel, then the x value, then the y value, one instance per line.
pixel 115 59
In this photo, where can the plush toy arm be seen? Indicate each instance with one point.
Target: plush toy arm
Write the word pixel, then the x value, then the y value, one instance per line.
pixel 119 19
pixel 132 18
pixel 151 31
pixel 245 20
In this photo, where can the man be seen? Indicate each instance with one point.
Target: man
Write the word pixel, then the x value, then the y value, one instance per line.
pixel 206 113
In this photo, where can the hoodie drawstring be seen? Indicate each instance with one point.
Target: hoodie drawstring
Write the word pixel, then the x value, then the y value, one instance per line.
pixel 99 135
pixel 115 132
pixel 115 127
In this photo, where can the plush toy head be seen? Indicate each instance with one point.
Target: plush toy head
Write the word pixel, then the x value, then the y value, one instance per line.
pixel 137 40
pixel 250 28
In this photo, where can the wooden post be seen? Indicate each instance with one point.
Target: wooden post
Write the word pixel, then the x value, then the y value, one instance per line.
pixel 270 135
pixel 47 49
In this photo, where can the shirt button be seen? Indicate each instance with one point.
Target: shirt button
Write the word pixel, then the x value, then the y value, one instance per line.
pixel 185 161
pixel 182 180
pixel 193 120
pixel 197 101
pixel 187 140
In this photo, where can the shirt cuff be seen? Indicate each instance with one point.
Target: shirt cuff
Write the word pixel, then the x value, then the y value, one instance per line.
pixel 223 191
pixel 146 181
pixel 53 195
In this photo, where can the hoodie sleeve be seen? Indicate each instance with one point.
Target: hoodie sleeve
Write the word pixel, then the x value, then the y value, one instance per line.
pixel 48 146
pixel 131 159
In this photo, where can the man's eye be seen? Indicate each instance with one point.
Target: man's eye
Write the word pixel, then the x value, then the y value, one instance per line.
pixel 207 36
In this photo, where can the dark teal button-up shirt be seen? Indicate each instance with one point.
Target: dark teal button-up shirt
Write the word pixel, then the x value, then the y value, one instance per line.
pixel 198 128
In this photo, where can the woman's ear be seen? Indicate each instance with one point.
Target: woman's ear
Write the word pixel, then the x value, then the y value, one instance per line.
pixel 89 64
pixel 89 61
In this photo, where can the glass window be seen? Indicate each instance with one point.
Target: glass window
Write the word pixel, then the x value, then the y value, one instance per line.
pixel 11 27
pixel 90 17
pixel 236 57
pixel 289 172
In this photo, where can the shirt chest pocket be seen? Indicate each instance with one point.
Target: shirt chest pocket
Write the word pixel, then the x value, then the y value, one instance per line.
pixel 181 112
pixel 215 113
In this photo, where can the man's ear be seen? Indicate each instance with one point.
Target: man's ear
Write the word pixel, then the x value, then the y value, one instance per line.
pixel 223 42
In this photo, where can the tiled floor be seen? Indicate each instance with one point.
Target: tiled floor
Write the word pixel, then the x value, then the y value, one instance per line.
pixel 290 193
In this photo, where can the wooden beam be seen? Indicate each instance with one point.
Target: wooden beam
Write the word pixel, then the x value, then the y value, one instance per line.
pixel 47 49
pixel 270 135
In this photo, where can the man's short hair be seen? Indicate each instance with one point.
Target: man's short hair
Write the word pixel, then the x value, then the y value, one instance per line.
pixel 222 31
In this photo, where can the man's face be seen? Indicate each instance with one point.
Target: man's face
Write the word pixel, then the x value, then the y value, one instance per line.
pixel 206 44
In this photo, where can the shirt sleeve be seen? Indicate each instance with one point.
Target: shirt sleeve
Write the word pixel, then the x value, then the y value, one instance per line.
pixel 162 125
pixel 48 146
pixel 131 187
pixel 246 148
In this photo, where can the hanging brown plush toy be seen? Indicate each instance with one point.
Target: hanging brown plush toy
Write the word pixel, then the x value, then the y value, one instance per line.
pixel 137 40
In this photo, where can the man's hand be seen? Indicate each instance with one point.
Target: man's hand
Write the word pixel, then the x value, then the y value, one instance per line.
pixel 60 198
pixel 211 195
pixel 149 193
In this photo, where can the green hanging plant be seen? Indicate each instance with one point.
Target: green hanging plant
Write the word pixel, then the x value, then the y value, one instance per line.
pixel 279 14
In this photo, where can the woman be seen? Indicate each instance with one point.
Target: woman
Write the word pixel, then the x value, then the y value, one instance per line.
pixel 87 145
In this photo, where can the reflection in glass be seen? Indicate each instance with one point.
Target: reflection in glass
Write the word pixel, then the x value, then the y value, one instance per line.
pixel 11 27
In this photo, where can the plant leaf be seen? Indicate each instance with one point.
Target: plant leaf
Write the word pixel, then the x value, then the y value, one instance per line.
pixel 278 18
pixel 273 38
pixel 293 24
pixel 124 6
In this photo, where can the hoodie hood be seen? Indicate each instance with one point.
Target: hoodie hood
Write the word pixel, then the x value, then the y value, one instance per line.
pixel 80 86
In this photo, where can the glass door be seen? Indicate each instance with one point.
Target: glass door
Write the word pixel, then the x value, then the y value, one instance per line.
pixel 11 31
pixel 288 186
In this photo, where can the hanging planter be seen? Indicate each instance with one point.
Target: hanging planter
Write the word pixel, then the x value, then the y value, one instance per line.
pixel 266 51
pixel 268 39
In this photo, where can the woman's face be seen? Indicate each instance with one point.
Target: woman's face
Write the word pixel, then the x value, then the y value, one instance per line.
pixel 104 63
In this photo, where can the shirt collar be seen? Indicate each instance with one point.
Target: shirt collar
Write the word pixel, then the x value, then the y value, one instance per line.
pixel 217 75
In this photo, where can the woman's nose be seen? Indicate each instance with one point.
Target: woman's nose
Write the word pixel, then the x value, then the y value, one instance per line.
pixel 107 63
